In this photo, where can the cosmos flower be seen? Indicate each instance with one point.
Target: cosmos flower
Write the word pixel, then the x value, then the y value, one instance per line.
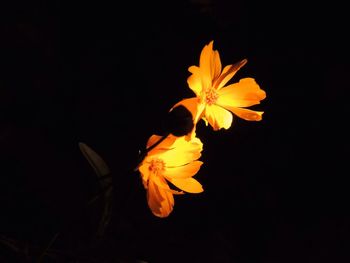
pixel 215 102
pixel 172 160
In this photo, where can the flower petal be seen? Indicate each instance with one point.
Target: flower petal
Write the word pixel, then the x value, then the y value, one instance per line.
pixel 228 72
pixel 218 117
pixel 160 201
pixel 206 62
pixel 152 140
pixel 189 185
pixel 184 171
pixel 245 93
pixel 247 114
pixel 159 180
pixel 163 145
pixel 145 173
pixel 183 152
pixel 215 65
pixel 195 80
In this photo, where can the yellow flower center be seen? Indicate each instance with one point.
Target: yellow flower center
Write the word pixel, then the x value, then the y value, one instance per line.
pixel 157 165
pixel 211 96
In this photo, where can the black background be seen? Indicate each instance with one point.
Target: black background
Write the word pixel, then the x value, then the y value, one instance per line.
pixel 106 74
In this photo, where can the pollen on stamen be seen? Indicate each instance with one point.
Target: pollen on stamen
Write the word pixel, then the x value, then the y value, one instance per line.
pixel 211 96
pixel 157 165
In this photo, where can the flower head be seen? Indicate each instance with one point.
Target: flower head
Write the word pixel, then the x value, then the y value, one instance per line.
pixel 215 102
pixel 173 160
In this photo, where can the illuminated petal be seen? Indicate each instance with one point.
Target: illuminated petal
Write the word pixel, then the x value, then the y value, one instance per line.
pixel 210 62
pixel 161 202
pixel 195 80
pixel 189 185
pixel 218 117
pixel 228 72
pixel 185 171
pixel 183 152
pixel 246 114
pixel 245 93
pixel 205 62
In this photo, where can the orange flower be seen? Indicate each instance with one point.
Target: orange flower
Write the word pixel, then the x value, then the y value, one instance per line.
pixel 215 102
pixel 173 160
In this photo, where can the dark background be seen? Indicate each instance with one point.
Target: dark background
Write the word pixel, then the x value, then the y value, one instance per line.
pixel 106 74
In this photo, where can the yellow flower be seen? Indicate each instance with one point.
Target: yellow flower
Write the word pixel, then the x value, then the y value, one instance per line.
pixel 173 160
pixel 215 102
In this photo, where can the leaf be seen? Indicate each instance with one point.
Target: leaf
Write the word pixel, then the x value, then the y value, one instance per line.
pixel 105 184
pixel 97 163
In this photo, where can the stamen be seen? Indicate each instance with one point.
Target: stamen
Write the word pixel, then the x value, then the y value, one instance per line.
pixel 157 165
pixel 211 96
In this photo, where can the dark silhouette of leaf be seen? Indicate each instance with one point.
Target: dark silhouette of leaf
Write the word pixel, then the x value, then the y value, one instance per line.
pixel 105 185
pixel 97 163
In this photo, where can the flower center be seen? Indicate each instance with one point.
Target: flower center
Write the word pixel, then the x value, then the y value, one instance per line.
pixel 211 95
pixel 157 165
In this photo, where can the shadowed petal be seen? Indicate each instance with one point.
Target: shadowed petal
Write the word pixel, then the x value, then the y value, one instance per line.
pixel 152 140
pixel 215 65
pixel 145 173
pixel 160 181
pixel 161 202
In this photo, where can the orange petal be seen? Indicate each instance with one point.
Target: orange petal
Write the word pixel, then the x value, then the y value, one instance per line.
pixel 210 65
pixel 145 173
pixel 183 152
pixel 205 60
pixel 189 185
pixel 184 171
pixel 215 65
pixel 228 72
pixel 163 145
pixel 195 80
pixel 218 117
pixel 160 181
pixel 152 140
pixel 247 114
pixel 245 93
pixel 161 202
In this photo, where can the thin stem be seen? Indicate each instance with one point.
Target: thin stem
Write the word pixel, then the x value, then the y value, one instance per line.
pixel 43 253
